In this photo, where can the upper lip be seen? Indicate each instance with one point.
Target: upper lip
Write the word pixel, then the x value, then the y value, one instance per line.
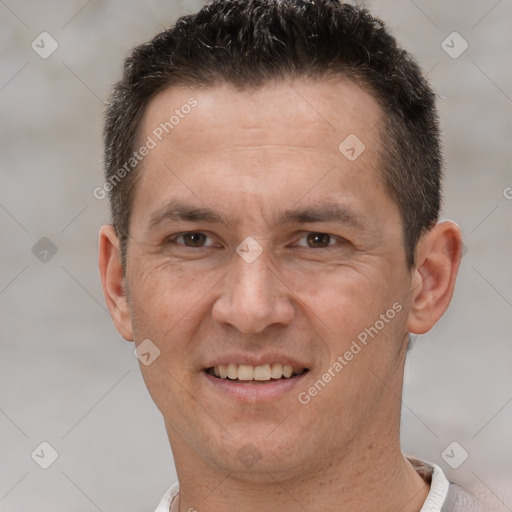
pixel 255 360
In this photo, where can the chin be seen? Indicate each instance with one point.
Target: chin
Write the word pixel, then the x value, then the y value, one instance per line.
pixel 260 456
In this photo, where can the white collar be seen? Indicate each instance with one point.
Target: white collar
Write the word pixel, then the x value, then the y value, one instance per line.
pixel 438 490
pixel 165 503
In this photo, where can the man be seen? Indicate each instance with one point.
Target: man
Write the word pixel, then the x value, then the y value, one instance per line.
pixel 274 174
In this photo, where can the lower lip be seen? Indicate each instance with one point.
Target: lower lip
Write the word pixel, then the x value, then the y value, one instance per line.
pixel 251 392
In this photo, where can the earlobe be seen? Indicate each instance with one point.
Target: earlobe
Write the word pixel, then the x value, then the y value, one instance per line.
pixel 438 258
pixel 113 282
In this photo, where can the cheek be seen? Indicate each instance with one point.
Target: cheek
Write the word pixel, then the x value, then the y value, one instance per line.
pixel 165 302
pixel 343 299
pixel 162 296
pixel 357 313
pixel 170 390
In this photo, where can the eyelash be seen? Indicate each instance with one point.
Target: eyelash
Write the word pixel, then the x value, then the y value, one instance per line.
pixel 172 239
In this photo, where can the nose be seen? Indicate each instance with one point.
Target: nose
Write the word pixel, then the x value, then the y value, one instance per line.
pixel 253 297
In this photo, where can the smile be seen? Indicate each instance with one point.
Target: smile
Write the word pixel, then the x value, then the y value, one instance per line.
pixel 247 373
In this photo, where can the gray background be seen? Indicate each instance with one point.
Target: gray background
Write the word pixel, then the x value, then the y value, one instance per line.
pixel 66 375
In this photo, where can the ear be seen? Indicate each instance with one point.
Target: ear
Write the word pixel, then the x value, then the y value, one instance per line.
pixel 113 281
pixel 438 258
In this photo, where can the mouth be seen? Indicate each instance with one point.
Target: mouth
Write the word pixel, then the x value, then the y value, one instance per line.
pixel 249 374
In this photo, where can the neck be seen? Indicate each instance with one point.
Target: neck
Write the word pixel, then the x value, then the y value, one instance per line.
pixel 375 478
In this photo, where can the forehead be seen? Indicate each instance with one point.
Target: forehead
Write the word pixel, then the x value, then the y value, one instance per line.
pixel 282 138
pixel 310 112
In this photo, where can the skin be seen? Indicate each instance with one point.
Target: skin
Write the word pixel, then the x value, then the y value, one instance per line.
pixel 250 156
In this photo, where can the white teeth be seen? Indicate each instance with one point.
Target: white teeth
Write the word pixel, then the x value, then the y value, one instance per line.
pixel 248 372
pixel 245 372
pixel 277 371
pixel 287 371
pixel 262 372
pixel 232 371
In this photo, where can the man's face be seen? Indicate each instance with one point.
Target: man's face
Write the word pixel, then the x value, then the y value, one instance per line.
pixel 331 279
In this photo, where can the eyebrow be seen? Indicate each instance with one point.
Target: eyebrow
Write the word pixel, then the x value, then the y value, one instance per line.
pixel 175 210
pixel 179 211
pixel 324 213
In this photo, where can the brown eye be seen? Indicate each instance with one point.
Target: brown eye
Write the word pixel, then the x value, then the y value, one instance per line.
pixel 318 240
pixel 191 239
pixel 194 239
